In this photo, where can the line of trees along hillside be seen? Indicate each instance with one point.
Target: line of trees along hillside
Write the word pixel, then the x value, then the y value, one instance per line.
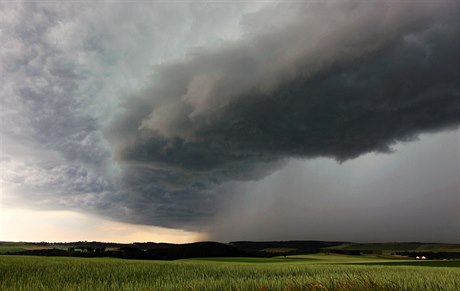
pixel 167 251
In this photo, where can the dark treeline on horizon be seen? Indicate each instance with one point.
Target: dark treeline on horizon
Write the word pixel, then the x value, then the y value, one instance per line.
pixel 169 251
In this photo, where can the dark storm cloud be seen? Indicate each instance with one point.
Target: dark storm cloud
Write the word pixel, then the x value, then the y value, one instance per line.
pixel 64 70
pixel 410 195
pixel 319 79
pixel 361 78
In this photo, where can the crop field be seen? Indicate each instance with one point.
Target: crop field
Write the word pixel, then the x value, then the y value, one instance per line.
pixel 315 272
pixel 388 248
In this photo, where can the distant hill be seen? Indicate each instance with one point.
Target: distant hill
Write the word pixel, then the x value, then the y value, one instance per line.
pixel 168 251
pixel 398 247
pixel 147 251
pixel 195 250
pixel 290 247
pixel 163 251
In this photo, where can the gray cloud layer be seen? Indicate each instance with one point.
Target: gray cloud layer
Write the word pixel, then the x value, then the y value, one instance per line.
pixel 305 80
pixel 360 79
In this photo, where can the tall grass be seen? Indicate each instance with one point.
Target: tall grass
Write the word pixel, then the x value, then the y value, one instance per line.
pixel 46 273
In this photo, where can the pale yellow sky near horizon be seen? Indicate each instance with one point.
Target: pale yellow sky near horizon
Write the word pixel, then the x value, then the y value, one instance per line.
pixel 60 226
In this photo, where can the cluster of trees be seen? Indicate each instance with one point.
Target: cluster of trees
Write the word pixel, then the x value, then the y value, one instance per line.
pixel 152 252
pixel 166 251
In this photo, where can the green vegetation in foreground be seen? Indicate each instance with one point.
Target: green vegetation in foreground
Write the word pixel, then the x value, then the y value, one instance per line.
pixel 65 273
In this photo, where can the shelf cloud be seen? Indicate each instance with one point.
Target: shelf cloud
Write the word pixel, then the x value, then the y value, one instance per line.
pixel 299 80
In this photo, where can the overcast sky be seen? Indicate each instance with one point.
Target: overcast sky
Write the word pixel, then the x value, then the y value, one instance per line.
pixel 230 120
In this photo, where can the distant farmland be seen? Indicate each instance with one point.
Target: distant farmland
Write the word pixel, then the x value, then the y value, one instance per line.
pixel 166 251
pixel 306 272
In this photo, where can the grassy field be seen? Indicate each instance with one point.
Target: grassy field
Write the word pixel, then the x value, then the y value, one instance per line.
pixel 399 247
pixel 312 272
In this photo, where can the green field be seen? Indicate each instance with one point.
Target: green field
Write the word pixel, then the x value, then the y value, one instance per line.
pixel 399 247
pixel 310 272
